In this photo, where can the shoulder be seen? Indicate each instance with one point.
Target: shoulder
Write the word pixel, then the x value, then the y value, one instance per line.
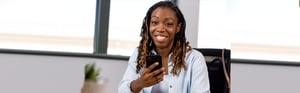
pixel 134 55
pixel 135 52
pixel 194 53
pixel 193 56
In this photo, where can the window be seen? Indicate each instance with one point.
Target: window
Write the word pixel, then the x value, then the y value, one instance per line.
pixel 265 29
pixel 257 29
pixel 50 25
pixel 125 24
pixel 213 29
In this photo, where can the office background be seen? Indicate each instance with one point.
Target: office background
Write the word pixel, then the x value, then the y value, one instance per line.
pixel 23 71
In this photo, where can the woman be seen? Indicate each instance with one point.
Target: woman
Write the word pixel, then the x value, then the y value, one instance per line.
pixel 183 68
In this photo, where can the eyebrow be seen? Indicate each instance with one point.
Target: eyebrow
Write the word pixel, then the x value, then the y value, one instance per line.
pixel 168 18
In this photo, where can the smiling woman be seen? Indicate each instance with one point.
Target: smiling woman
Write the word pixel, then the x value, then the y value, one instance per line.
pixel 183 69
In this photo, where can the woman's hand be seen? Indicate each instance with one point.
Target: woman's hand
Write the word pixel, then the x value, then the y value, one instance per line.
pixel 148 78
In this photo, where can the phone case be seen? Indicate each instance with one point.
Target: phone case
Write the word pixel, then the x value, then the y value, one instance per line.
pixel 151 60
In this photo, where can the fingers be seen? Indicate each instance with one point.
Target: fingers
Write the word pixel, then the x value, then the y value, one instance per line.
pixel 149 69
pixel 151 78
pixel 157 75
pixel 158 72
pixel 159 78
pixel 155 79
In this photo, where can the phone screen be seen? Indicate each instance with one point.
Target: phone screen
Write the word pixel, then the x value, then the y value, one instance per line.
pixel 151 60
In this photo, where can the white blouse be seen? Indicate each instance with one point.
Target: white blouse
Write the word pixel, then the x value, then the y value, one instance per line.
pixel 161 87
pixel 192 80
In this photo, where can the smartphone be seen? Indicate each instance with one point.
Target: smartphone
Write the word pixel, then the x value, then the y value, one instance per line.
pixel 151 60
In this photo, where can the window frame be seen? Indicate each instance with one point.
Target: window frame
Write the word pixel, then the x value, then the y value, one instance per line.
pixel 101 42
pixel 101 27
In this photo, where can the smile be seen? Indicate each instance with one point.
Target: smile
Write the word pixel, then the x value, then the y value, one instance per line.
pixel 160 38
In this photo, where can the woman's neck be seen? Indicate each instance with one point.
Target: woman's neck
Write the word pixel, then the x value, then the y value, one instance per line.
pixel 164 52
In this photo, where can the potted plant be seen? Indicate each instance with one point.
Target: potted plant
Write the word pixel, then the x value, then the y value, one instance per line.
pixel 91 72
pixel 91 77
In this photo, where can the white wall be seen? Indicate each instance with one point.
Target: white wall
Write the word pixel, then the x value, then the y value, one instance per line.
pixel 190 10
pixel 53 74
pixel 257 78
pixel 21 73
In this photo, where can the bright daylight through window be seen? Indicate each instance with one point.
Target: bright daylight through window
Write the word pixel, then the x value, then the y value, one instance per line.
pixel 256 29
pixel 48 25
pixel 252 29
pixel 125 22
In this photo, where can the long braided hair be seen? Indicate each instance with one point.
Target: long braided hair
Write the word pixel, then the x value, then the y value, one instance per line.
pixel 180 45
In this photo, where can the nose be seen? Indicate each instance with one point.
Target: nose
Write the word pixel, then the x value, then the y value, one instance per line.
pixel 160 28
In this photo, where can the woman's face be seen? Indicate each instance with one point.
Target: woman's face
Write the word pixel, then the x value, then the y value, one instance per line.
pixel 163 27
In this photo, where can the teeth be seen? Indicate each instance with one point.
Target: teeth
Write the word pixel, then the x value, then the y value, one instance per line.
pixel 160 38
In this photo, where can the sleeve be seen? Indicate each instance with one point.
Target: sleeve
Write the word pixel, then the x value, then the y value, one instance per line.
pixel 200 80
pixel 129 75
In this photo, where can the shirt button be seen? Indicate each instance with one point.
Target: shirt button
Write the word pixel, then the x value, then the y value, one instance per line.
pixel 170 86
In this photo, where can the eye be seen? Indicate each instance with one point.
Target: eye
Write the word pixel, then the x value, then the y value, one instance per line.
pixel 169 24
pixel 153 22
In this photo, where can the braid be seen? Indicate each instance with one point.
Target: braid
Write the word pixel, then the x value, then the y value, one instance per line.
pixel 143 50
pixel 180 45
pixel 178 58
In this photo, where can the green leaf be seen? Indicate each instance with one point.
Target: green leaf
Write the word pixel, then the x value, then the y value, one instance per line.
pixel 91 72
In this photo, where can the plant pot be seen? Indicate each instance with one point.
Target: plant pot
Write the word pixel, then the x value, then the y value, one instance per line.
pixel 90 86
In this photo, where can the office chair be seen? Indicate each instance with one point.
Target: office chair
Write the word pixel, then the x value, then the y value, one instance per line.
pixel 219 73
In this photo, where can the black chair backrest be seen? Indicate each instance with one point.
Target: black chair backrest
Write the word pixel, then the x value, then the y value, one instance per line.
pixel 217 78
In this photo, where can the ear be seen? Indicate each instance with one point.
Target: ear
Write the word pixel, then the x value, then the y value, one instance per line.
pixel 178 28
